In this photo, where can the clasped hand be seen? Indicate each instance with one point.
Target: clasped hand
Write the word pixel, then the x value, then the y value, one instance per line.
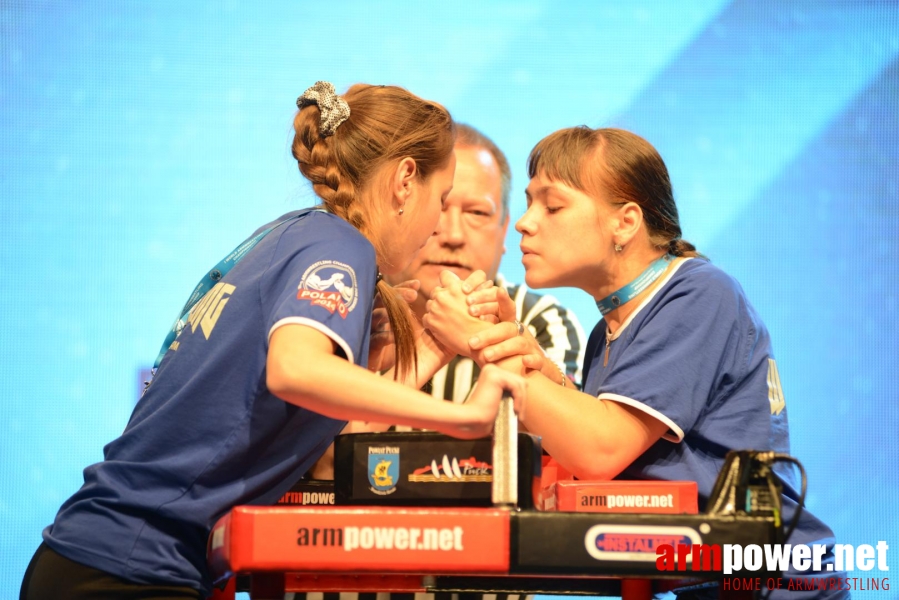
pixel 475 318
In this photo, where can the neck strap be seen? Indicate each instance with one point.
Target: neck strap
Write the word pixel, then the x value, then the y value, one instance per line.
pixel 628 292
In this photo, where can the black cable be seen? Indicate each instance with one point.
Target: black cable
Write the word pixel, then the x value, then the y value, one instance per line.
pixel 800 504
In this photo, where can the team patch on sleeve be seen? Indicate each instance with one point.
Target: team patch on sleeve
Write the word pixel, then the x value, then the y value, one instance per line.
pixel 331 285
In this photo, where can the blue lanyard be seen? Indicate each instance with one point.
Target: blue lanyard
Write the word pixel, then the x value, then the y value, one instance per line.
pixel 212 277
pixel 628 292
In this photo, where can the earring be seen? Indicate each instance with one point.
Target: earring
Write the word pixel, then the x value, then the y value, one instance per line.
pixel 618 248
pixel 402 210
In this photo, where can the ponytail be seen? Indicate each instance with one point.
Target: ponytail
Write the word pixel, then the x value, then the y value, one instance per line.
pixel 680 247
pixel 400 317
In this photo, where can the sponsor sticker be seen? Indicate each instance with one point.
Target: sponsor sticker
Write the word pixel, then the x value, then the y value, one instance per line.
pixel 383 469
pixel 635 542
pixel 453 470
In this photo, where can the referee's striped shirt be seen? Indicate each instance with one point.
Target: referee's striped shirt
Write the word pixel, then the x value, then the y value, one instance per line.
pixel 560 335
pixel 555 328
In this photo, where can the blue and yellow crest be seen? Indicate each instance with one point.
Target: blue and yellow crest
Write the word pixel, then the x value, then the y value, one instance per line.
pixel 383 469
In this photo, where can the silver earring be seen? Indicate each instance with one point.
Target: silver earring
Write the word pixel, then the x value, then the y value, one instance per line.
pixel 618 248
pixel 402 210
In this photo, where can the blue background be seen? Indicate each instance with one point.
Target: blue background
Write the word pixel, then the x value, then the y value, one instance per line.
pixel 141 141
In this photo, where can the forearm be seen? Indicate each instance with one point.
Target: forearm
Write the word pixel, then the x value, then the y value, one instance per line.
pixel 562 339
pixel 301 368
pixel 340 390
pixel 592 438
pixel 552 371
pixel 431 359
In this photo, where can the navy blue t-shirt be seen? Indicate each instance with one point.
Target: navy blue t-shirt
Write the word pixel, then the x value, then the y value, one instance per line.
pixel 208 435
pixel 696 356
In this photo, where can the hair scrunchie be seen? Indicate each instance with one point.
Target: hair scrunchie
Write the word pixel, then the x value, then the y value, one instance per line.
pixel 334 109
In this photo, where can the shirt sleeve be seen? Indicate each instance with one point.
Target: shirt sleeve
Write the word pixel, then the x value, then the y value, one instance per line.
pixel 324 276
pixel 681 355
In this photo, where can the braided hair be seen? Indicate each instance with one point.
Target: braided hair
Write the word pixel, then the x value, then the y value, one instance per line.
pixel 386 124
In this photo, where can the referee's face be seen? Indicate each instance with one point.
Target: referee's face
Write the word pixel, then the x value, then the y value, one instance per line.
pixel 472 225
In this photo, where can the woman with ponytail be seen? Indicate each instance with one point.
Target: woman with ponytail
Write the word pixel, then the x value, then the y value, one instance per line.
pixel 680 368
pixel 267 360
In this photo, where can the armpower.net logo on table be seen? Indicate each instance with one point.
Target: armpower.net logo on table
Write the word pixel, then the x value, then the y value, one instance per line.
pixel 446 539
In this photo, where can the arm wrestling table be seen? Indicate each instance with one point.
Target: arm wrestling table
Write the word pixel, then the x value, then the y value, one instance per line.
pixel 491 550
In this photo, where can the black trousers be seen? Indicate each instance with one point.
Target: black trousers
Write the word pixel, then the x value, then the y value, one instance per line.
pixel 51 576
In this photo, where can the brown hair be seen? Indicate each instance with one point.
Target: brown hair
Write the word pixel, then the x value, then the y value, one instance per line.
pixel 386 124
pixel 624 164
pixel 466 135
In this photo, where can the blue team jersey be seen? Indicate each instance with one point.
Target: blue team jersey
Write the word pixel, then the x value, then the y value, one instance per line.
pixel 208 435
pixel 696 356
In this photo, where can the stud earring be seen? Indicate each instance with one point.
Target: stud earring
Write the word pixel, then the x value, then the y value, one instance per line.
pixel 402 210
pixel 618 248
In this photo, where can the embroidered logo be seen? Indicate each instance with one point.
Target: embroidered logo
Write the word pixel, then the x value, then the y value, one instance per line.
pixel 331 285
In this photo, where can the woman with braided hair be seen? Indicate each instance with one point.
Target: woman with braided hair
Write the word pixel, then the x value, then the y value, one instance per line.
pixel 267 360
